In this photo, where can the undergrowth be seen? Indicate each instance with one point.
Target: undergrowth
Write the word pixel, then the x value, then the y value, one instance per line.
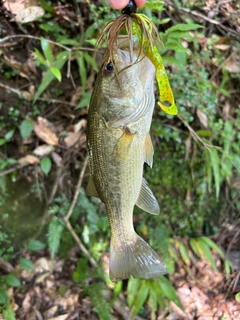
pixel 196 161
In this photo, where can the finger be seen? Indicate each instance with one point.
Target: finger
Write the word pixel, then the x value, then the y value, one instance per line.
pixel 118 4
pixel 140 3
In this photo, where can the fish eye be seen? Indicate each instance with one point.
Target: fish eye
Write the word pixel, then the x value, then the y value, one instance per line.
pixel 108 68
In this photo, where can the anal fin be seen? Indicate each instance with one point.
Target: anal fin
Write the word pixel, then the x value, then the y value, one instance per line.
pixel 146 199
pixel 91 189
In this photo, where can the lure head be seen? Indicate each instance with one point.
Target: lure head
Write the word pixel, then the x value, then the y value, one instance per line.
pixel 130 8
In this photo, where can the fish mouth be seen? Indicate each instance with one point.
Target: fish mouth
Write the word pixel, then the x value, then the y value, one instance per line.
pixel 123 42
pixel 127 59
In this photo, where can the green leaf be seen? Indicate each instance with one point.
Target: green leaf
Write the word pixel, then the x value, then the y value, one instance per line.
pixel 3 184
pixel 213 245
pixel 117 289
pixel 26 128
pixel 12 280
pixel 164 21
pixel 90 32
pixel 92 41
pixel 82 71
pixel 8 313
pixel 155 5
pixel 56 73
pixel 86 97
pixel 195 247
pixel 91 61
pixel 81 273
pixel 47 6
pixel 169 291
pixel 47 50
pixel 171 60
pixel 175 45
pixel 2 142
pixel 156 296
pixel 46 165
pixel 9 135
pixel 228 267
pixel 184 253
pixel 49 76
pixel 11 161
pixel 180 35
pixel 204 133
pixel 99 301
pixel 181 57
pixel 237 297
pixel 38 54
pixel 184 27
pixel 140 298
pixel 228 134
pixel 208 169
pixel 26 264
pixel 66 41
pixel 133 286
pixel 55 230
pixel 206 252
pixel 216 171
pixel 153 300
pixel 3 296
pixel 35 245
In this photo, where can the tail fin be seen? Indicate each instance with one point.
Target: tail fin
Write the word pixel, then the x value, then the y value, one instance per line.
pixel 136 259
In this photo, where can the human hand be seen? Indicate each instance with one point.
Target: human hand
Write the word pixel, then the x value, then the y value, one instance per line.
pixel 120 4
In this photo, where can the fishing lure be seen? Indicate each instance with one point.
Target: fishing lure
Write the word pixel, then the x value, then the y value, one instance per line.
pixel 152 52
pixel 141 26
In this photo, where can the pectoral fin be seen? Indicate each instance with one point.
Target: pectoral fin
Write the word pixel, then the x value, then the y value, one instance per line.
pixel 148 149
pixel 146 199
pixel 122 147
pixel 91 189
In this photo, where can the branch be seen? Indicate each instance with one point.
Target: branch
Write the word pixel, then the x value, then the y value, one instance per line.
pixel 70 211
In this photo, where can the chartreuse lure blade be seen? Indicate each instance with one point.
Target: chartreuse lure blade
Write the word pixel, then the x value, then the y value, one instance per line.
pixel 166 103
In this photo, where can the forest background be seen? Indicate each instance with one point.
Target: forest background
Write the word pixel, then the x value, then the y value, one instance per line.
pixel 54 240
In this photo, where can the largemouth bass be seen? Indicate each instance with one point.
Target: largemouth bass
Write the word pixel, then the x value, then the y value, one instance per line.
pixel 119 143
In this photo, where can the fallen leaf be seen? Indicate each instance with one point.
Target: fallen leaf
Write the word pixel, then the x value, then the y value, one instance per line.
pixel 72 138
pixel 29 159
pixel 29 14
pixel 43 150
pixel 203 118
pixel 50 312
pixel 222 47
pixel 42 265
pixel 26 69
pixel 80 125
pixel 188 143
pixel 44 130
pixel 14 6
pixel 233 63
pixel 57 159
pixel 42 277
pixel 26 304
pixel 6 266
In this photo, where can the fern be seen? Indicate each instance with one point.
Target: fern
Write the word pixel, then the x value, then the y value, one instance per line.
pixel 55 230
pixel 102 307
